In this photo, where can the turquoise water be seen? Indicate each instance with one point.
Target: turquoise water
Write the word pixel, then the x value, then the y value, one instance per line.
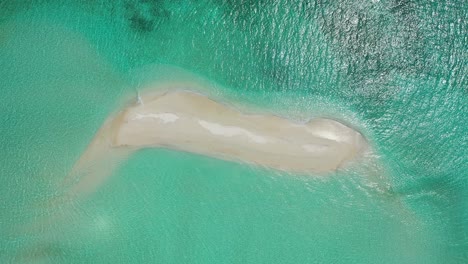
pixel 394 69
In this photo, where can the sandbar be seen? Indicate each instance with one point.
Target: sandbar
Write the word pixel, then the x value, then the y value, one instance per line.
pixel 190 121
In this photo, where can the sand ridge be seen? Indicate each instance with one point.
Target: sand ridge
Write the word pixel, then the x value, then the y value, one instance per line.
pixel 190 121
pixel 173 117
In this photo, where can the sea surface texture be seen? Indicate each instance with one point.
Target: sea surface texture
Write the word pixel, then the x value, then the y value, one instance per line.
pixel 395 70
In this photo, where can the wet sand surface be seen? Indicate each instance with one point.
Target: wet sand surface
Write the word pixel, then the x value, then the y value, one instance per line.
pixel 192 122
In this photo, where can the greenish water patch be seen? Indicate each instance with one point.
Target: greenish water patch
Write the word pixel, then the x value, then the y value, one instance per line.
pixel 395 69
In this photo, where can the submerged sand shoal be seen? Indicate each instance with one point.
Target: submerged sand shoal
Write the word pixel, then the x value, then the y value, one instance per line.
pixel 190 121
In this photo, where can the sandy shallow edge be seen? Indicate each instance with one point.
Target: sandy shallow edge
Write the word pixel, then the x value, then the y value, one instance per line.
pixel 319 146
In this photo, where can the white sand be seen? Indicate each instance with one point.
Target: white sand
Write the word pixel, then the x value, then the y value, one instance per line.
pixel 192 122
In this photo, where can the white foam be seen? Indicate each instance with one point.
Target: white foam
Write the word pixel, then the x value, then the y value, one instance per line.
pixel 164 117
pixel 231 131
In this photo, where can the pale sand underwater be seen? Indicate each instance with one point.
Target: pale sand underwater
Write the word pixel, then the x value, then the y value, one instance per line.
pixel 170 116
pixel 179 115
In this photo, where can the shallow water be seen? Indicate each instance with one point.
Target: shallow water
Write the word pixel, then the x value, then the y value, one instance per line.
pixel 396 70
